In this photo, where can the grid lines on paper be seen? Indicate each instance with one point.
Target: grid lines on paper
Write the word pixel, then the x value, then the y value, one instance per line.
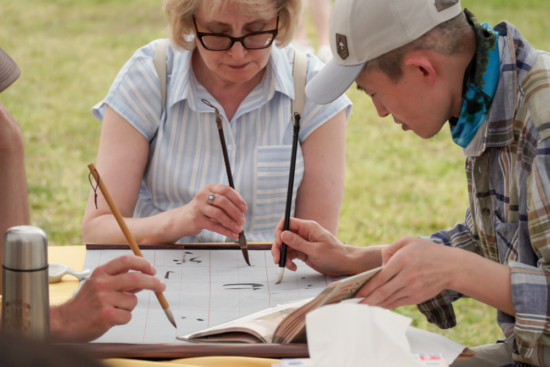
pixel 205 288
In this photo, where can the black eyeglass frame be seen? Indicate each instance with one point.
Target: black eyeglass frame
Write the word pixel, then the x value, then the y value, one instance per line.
pixel 200 35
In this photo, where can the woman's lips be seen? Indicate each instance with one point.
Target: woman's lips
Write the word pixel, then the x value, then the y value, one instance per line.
pixel 238 67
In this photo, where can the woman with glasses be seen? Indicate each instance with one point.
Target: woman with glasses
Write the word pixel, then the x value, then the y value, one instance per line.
pixel 164 164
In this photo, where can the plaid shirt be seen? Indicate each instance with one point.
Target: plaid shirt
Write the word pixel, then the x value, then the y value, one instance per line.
pixel 508 221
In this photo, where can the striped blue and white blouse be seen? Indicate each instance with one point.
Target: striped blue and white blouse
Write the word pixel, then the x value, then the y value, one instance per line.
pixel 186 154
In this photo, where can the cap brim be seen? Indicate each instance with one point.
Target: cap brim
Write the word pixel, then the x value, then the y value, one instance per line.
pixel 332 81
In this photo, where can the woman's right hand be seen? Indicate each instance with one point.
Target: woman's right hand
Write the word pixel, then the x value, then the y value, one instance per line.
pixel 225 215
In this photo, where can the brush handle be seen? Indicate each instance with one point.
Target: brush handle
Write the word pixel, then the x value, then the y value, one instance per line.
pixel 122 224
pixel 225 156
pixel 290 189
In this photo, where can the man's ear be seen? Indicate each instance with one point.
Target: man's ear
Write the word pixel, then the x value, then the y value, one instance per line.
pixel 423 64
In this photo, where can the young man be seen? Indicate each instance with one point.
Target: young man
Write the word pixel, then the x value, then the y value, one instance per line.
pixel 426 62
pixel 107 298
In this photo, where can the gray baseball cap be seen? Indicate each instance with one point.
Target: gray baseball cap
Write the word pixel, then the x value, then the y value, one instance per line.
pixel 362 30
pixel 9 71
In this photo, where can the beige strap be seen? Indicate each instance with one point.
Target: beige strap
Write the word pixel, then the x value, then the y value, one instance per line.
pixel 299 75
pixel 159 60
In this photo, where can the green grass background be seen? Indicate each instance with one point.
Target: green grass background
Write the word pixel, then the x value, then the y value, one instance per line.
pixel 70 52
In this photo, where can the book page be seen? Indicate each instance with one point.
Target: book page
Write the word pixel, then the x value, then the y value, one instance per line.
pixel 262 323
pixel 293 328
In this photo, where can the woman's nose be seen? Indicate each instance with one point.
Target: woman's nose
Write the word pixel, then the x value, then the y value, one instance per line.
pixel 237 51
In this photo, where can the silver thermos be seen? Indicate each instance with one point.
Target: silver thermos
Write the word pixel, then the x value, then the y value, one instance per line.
pixel 25 295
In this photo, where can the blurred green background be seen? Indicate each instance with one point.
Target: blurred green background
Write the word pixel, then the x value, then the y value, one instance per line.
pixel 70 52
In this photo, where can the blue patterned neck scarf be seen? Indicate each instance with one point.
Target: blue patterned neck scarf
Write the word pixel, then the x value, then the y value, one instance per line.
pixel 480 83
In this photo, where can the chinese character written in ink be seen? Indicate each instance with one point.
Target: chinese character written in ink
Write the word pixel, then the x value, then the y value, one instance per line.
pixel 184 260
pixel 234 286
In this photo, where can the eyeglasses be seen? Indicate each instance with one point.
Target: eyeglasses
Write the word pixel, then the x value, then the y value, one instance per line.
pixel 223 42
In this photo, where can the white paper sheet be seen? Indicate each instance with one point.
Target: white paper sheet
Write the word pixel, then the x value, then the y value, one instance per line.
pixel 206 288
pixel 350 334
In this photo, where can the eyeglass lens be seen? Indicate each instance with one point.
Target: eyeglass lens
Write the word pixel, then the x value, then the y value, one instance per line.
pixel 251 41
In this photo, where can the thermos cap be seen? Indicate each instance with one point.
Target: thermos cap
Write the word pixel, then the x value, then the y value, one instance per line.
pixel 25 248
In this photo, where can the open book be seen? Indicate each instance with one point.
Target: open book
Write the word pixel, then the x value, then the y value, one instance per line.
pixel 281 324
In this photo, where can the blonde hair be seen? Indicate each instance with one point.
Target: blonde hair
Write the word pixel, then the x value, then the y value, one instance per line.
pixel 180 17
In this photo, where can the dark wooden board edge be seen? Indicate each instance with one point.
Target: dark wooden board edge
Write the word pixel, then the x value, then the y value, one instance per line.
pixel 174 351
pixel 187 246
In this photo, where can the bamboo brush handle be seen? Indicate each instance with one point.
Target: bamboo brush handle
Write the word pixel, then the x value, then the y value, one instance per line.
pixel 122 224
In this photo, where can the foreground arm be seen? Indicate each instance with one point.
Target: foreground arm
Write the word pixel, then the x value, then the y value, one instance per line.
pixel 416 270
pixel 13 185
pixel 14 205
pixel 121 161
pixel 105 300
pixel 320 194
pixel 319 249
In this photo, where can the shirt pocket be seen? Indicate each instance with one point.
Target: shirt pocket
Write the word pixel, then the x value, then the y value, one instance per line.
pixel 272 170
pixel 507 239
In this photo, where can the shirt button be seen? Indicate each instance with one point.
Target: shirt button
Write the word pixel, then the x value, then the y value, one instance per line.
pixel 230 147
pixel 486 212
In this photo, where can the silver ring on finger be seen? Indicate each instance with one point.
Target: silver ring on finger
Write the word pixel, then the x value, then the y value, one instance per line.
pixel 211 198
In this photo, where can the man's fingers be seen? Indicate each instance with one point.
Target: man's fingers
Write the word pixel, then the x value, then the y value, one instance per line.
pixel 392 249
pixel 295 241
pixel 275 252
pixel 280 226
pixel 134 280
pixel 386 294
pixel 403 301
pixel 290 265
pixel 299 226
pixel 377 281
pixel 117 316
pixel 125 263
pixel 302 227
pixel 123 300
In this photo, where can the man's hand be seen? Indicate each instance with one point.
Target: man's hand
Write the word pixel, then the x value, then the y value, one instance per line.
pixel 105 300
pixel 317 247
pixel 414 271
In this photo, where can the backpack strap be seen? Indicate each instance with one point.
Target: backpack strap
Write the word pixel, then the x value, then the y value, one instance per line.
pixel 299 75
pixel 159 60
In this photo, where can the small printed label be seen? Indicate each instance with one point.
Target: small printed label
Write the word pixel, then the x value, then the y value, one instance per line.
pixel 17 316
pixel 431 360
pixel 342 46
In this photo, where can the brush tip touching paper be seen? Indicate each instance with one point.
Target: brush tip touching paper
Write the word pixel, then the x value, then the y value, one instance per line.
pixel 170 316
pixel 244 247
pixel 280 274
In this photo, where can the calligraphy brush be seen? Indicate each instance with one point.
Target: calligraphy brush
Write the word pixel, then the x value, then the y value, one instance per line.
pixel 282 258
pixel 131 241
pixel 242 238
